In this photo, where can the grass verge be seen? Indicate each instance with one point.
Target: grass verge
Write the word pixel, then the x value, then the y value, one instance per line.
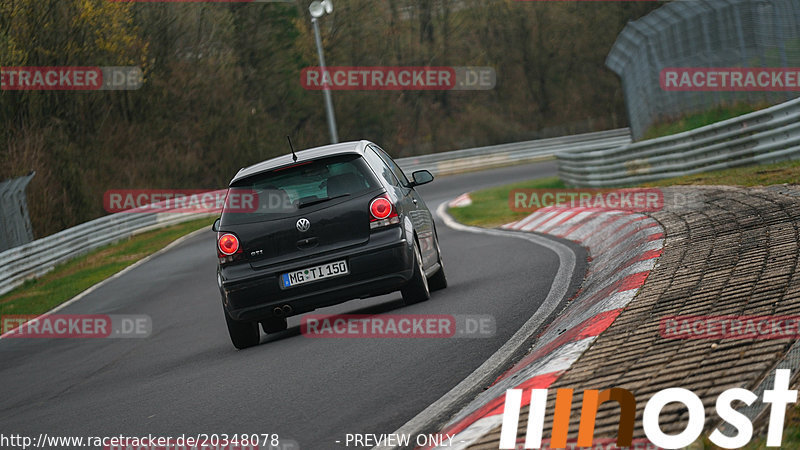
pixel 69 279
pixel 764 175
pixel 693 121
pixel 490 207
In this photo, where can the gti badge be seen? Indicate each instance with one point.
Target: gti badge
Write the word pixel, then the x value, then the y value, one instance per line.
pixel 303 225
pixel 257 253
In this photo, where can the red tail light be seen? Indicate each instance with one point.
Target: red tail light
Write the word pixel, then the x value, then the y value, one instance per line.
pixel 381 208
pixel 228 244
pixel 383 212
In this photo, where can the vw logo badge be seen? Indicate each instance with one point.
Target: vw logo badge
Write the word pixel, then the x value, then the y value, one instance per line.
pixel 303 225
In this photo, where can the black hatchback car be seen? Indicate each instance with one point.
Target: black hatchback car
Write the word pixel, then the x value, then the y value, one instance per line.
pixel 328 225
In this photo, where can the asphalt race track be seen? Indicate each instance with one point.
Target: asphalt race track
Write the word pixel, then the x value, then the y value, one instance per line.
pixel 187 378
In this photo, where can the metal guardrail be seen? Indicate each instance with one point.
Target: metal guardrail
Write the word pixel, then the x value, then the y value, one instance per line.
pixel 15 224
pixel 40 256
pixel 702 34
pixel 456 161
pixel 768 135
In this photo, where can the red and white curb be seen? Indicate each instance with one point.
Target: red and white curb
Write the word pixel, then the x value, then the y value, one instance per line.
pixel 460 201
pixel 624 247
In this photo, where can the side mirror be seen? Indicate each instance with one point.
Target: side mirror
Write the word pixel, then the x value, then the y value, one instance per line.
pixel 215 227
pixel 421 177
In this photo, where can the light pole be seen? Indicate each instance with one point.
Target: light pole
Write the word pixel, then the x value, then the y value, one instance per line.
pixel 317 10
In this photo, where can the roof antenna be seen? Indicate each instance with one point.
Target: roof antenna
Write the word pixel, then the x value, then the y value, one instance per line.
pixel 294 156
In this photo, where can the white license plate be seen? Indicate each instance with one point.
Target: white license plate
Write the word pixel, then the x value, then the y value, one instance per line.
pixel 316 273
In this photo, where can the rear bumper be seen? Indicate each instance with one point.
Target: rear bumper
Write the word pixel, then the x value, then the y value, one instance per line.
pixel 381 266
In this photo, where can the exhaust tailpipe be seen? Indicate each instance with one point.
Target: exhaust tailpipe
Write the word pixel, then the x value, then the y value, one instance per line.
pixel 278 311
pixel 287 309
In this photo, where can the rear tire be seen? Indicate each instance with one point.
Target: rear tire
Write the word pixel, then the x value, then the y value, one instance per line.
pixel 243 334
pixel 439 280
pixel 416 290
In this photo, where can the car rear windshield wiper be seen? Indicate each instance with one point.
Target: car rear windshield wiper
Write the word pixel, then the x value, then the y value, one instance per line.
pixel 322 200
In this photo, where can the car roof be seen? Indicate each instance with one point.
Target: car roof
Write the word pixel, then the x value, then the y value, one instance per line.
pixel 344 148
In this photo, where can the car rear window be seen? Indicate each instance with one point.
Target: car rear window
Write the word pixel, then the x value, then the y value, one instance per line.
pixel 284 192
